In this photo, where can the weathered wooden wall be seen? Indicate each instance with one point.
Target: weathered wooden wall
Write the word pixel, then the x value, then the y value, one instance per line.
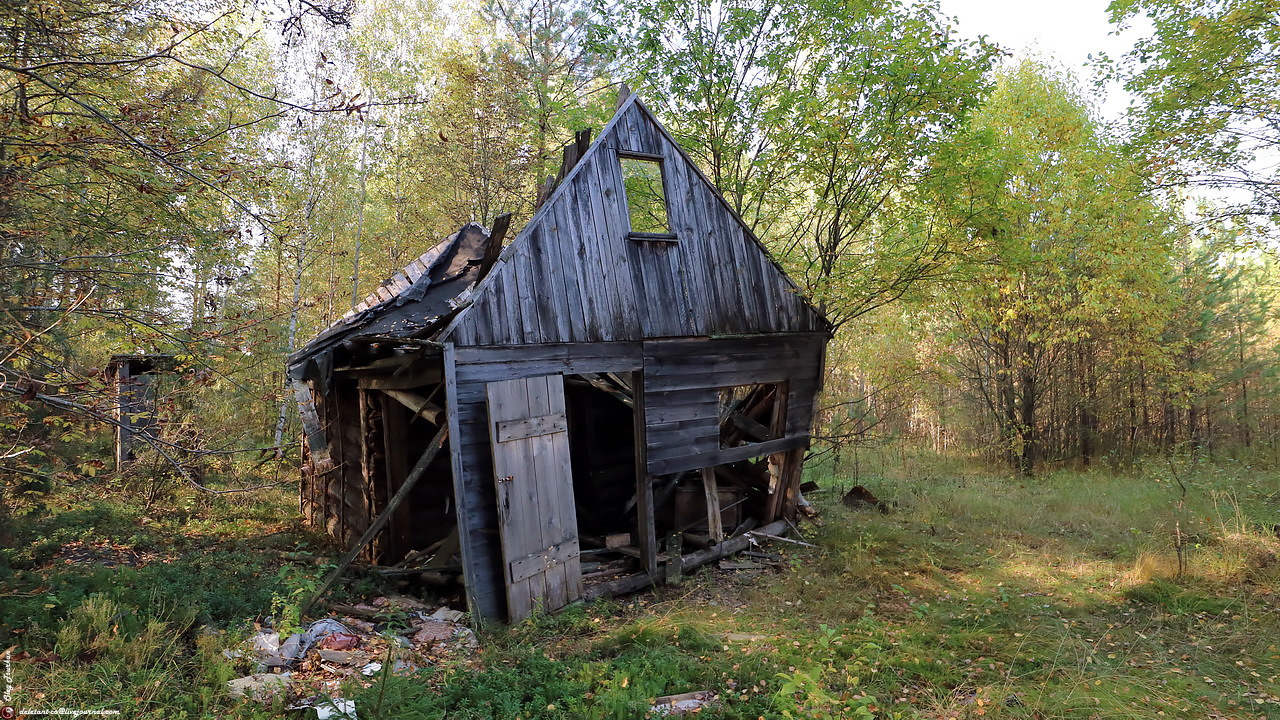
pixel 340 496
pixel 682 382
pixel 682 379
pixel 573 275
pixel 574 293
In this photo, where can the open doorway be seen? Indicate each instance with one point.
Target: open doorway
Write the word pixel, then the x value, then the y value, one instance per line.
pixel 602 444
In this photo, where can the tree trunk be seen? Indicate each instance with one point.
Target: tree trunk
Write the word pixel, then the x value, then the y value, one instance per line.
pixel 1027 423
pixel 283 416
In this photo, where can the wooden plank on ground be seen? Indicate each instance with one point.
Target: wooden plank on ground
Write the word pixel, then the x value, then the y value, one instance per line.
pixel 643 580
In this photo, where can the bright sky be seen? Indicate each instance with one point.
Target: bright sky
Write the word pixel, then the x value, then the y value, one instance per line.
pixel 1067 32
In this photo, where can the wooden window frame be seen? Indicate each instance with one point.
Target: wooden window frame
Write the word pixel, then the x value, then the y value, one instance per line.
pixel 777 427
pixel 666 195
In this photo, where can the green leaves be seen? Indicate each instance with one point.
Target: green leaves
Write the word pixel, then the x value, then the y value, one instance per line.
pixel 1207 78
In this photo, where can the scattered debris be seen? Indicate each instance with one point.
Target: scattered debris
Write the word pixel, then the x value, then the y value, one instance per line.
pixel 340 641
pixel 325 628
pixel 430 632
pixel 343 657
pixel 328 708
pixel 761 534
pixel 690 702
pixel 447 614
pixel 744 637
pixel 860 498
pixel 266 647
pixel 311 667
pixel 107 554
pixel 262 687
pixel 336 708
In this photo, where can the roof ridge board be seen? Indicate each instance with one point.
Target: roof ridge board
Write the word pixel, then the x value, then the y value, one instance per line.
pixel 522 236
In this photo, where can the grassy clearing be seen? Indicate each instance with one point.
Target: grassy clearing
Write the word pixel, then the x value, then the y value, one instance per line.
pixel 976 596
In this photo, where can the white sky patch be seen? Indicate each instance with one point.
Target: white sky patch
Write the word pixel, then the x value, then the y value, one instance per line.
pixel 1066 34
pixel 1063 32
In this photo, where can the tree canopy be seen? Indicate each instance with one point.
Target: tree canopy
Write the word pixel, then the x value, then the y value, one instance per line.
pixel 1206 80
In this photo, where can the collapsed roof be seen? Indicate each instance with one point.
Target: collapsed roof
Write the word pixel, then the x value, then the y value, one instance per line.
pixel 419 300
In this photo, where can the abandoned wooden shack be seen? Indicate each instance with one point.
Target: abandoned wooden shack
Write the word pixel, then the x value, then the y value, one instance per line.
pixel 621 393
pixel 133 398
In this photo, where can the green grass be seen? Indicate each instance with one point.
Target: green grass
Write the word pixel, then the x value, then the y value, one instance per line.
pixel 116 601
pixel 975 596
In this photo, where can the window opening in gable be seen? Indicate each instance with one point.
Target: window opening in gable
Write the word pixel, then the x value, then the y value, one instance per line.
pixel 646 197
pixel 749 414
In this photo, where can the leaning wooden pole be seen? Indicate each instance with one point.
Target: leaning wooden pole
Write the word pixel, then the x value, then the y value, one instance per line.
pixel 376 526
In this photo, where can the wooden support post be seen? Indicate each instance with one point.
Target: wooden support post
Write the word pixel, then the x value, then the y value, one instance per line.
pixel 777 461
pixel 646 534
pixel 773 502
pixel 675 559
pixel 373 462
pixel 395 443
pixel 376 526
pixel 793 469
pixel 124 431
pixel 715 528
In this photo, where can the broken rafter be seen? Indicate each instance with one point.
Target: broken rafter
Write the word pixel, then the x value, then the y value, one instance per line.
pixel 755 430
pixel 604 385
pixel 419 405
pixel 493 247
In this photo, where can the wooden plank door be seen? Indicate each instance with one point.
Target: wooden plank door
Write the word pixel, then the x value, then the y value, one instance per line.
pixel 528 430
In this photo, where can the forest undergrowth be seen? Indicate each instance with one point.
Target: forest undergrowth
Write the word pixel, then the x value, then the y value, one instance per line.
pixel 975 595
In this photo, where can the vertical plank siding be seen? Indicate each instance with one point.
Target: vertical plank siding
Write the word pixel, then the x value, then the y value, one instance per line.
pixel 574 275
pixel 476 500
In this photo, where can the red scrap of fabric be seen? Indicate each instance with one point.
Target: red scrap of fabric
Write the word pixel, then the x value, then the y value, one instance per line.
pixel 339 641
